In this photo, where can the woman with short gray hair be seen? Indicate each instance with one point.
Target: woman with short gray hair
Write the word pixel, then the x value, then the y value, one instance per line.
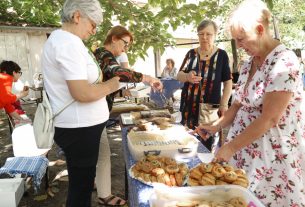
pixel 88 8
pixel 70 72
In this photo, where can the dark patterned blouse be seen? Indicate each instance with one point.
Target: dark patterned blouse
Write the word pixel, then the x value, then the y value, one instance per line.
pixel 209 89
pixel 111 68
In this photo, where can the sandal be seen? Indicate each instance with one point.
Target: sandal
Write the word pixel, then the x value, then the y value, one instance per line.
pixel 109 201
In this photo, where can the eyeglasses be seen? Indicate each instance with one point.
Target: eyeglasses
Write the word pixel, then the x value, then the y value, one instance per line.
pixel 20 73
pixel 92 24
pixel 205 34
pixel 126 45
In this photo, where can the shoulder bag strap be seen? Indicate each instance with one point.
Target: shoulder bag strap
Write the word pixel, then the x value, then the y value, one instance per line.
pixel 73 100
pixel 63 108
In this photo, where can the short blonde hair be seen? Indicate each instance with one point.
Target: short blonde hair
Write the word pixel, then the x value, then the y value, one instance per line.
pixel 247 15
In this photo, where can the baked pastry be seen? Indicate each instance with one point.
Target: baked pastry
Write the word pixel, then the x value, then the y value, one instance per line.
pixel 170 161
pixel 173 180
pixel 151 157
pixel 206 167
pixel 182 166
pixel 167 179
pixel 193 182
pixel 204 204
pixel 220 182
pixel 238 202
pixel 240 172
pixel 179 179
pixel 147 178
pixel 230 176
pixel 186 204
pixel 158 171
pixel 228 168
pixel 146 167
pixel 160 179
pixel 207 179
pixel 218 171
pixel 196 174
pixel 155 164
pixel 135 172
pixel 153 179
pixel 172 169
pixel 242 182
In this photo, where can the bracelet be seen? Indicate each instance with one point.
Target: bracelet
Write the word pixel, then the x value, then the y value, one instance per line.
pixel 223 106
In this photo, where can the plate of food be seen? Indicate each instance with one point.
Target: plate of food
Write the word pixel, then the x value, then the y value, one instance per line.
pixel 206 174
pixel 158 169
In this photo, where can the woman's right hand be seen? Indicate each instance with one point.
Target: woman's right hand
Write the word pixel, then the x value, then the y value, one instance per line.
pixel 23 94
pixel 205 130
pixel 114 83
pixel 193 78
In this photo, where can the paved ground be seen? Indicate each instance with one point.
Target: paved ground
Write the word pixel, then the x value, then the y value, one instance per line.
pixel 57 196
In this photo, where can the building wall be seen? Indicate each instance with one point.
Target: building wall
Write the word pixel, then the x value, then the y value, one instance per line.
pixel 24 48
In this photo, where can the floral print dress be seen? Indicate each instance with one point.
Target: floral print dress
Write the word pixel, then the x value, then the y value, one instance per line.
pixel 275 163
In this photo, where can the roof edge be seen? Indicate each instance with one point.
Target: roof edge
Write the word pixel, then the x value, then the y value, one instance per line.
pixel 30 29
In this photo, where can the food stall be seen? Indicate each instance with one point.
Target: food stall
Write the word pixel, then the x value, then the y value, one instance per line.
pixel 159 152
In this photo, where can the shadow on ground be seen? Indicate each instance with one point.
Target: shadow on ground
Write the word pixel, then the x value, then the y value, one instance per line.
pixel 55 196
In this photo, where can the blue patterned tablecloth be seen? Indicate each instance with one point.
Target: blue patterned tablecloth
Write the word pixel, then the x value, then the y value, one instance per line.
pixel 138 192
pixel 170 86
pixel 31 166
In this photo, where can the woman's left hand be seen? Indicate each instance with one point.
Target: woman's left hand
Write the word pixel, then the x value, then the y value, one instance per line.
pixel 225 153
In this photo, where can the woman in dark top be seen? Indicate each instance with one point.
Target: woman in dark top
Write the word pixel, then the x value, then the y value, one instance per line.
pixel 207 67
pixel 117 41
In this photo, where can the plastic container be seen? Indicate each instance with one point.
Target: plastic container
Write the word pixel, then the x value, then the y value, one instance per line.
pixel 11 191
pixel 167 197
pixel 174 142
pixel 140 92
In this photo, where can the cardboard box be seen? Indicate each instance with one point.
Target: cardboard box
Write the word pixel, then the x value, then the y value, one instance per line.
pixel 11 191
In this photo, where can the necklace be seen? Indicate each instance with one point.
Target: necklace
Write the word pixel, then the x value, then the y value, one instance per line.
pixel 205 54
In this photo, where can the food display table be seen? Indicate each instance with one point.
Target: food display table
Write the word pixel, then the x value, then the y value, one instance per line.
pixel 138 192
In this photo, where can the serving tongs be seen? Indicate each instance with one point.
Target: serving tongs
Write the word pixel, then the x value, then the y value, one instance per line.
pixel 163 98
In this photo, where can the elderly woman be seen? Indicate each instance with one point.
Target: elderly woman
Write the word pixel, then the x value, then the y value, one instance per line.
pixel 207 67
pixel 70 72
pixel 10 72
pixel 169 71
pixel 117 41
pixel 267 137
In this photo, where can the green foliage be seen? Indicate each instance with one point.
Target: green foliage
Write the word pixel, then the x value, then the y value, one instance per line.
pixel 151 22
pixel 30 12
pixel 291 21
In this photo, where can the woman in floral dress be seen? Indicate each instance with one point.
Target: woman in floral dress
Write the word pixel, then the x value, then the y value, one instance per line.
pixel 267 134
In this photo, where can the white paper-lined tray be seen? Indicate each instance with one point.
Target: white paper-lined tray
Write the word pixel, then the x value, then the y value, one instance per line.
pixel 169 197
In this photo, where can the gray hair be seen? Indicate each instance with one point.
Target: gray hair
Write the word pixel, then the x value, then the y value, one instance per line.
pixel 248 14
pixel 89 8
pixel 206 23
